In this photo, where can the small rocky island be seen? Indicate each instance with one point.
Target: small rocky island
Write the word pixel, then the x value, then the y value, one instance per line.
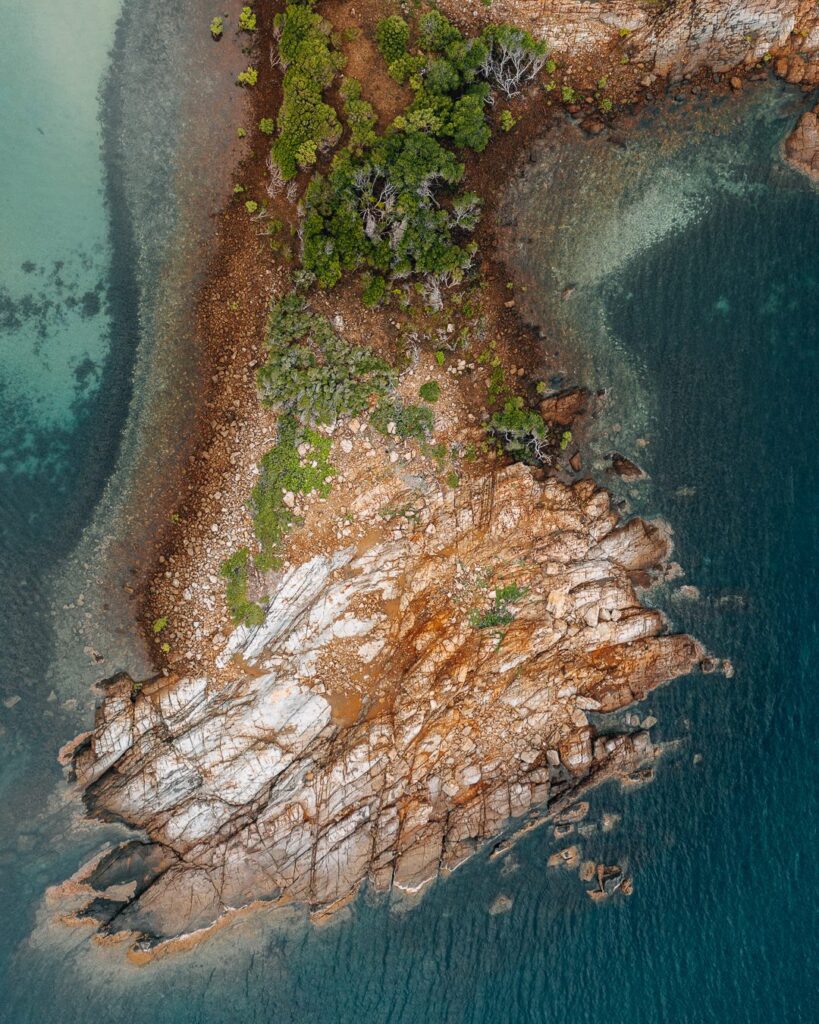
pixel 392 607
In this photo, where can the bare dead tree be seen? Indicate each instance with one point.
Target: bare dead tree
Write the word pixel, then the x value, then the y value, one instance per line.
pixel 512 61
pixel 432 291
pixel 275 180
pixel 465 211
pixel 397 232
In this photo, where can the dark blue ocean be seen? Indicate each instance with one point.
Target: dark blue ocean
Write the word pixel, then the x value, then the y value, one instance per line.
pixel 693 253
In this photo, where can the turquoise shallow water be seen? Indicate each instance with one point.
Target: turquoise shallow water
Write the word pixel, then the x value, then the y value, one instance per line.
pixel 702 322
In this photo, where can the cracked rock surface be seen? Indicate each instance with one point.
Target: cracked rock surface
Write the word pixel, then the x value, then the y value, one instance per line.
pixel 406 696
pixel 676 38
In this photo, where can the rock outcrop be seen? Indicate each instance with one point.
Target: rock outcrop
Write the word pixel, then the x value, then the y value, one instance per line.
pixel 676 39
pixel 719 34
pixel 406 696
pixel 802 145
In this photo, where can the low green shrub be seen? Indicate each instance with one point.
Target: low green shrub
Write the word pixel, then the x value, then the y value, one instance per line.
pixel 247 20
pixel 507 120
pixel 242 609
pixel 249 77
pixel 312 372
pixel 359 115
pixel 467 125
pixel 375 288
pixel 499 614
pixel 284 471
pixel 430 391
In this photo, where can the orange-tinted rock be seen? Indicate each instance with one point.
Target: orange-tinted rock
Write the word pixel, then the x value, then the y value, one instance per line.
pixel 796 70
pixel 625 468
pixel 255 789
pixel 802 145
pixel 563 408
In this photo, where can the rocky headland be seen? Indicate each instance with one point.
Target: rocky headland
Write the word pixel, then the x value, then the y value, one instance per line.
pixel 445 628
pixel 406 696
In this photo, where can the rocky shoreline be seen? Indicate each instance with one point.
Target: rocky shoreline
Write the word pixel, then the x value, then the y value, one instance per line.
pixel 378 734
pixel 433 654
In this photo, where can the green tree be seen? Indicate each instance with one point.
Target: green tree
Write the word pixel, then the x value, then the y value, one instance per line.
pixel 392 37
pixel 435 32
pixel 306 123
pixel 467 125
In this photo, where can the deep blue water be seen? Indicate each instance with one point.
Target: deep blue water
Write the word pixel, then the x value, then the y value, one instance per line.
pixel 716 320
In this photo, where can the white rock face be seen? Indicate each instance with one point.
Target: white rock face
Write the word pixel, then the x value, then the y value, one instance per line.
pixel 678 38
pixel 401 702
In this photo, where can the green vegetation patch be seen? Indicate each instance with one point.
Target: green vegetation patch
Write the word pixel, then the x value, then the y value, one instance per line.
pixel 242 609
pixel 312 372
pixel 380 212
pixel 307 125
pixel 298 464
pixel 389 206
pixel 521 432
pixel 499 614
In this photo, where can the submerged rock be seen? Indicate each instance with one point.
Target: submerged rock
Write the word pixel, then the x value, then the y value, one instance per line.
pixel 625 468
pixel 500 905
